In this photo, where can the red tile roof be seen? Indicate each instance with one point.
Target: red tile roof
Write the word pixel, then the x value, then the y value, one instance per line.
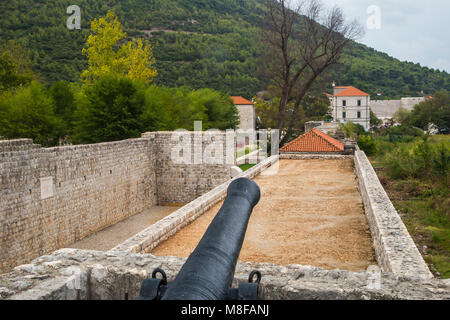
pixel 350 92
pixel 241 101
pixel 314 141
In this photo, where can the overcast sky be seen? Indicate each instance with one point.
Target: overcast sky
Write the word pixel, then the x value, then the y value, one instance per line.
pixel 411 30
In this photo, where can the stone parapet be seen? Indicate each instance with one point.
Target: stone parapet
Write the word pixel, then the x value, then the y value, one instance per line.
pixel 395 250
pixel 71 274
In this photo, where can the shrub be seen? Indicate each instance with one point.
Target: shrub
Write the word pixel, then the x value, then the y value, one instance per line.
pixel 419 159
pixel 368 145
pixel 374 121
pixel 384 146
pixel 441 161
pixel 109 111
pixel 400 163
pixel 29 112
pixel 406 131
pixel 352 130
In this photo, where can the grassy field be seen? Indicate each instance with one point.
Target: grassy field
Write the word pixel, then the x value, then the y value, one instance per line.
pixel 420 193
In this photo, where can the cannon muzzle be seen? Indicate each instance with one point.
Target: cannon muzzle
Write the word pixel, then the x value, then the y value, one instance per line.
pixel 209 271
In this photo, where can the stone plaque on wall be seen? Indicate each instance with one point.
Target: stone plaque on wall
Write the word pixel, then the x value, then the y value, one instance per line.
pixel 47 190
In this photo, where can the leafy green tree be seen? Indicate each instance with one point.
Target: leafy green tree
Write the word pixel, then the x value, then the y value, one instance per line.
pixel 352 130
pixel 106 55
pixel 316 107
pixel 109 111
pixel 403 116
pixel 175 108
pixel 374 121
pixel 313 107
pixel 367 144
pixel 220 111
pixel 64 100
pixel 267 111
pixel 14 67
pixel 435 110
pixel 29 112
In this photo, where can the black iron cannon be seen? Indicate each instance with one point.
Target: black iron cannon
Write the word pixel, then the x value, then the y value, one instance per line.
pixel 209 271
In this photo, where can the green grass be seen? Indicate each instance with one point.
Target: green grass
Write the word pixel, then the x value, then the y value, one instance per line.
pixel 442 263
pixel 245 167
pixel 424 205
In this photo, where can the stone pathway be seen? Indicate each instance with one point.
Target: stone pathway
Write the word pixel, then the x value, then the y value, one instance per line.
pixel 114 235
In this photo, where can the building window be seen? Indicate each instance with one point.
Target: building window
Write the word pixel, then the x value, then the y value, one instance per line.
pixel 359 114
pixel 359 103
pixel 344 103
pixel 344 115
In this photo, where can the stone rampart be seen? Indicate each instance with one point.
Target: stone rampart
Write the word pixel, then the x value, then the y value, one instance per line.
pixel 71 274
pixel 53 197
pixel 395 250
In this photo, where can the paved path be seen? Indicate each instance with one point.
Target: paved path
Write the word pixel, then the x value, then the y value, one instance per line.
pixel 310 213
pixel 114 235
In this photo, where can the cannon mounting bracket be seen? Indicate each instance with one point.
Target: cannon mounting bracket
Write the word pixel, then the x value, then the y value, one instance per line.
pixel 154 288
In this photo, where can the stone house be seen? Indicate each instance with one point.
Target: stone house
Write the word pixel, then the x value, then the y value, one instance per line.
pixel 350 104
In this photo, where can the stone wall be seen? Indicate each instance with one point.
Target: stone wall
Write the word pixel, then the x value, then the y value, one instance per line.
pixel 395 250
pixel 53 197
pixel 71 274
pixel 386 109
pixel 179 184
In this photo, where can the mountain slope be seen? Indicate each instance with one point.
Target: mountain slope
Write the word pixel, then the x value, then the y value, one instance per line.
pixel 197 43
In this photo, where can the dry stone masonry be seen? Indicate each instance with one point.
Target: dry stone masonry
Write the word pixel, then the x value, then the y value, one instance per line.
pixel 53 197
pixel 71 274
pixel 394 247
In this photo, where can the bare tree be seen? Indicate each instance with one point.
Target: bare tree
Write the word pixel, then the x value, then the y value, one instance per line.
pixel 301 43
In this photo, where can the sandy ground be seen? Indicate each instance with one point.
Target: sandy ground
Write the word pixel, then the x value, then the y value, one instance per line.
pixel 112 236
pixel 310 213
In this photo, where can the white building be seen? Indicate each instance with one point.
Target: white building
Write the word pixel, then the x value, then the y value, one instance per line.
pixel 246 110
pixel 350 104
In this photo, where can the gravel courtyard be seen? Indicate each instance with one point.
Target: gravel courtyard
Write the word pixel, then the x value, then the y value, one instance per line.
pixel 310 213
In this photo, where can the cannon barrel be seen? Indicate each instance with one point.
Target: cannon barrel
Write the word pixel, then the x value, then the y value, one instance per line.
pixel 208 272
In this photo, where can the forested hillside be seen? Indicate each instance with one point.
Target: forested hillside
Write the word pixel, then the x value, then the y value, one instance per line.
pixel 197 43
